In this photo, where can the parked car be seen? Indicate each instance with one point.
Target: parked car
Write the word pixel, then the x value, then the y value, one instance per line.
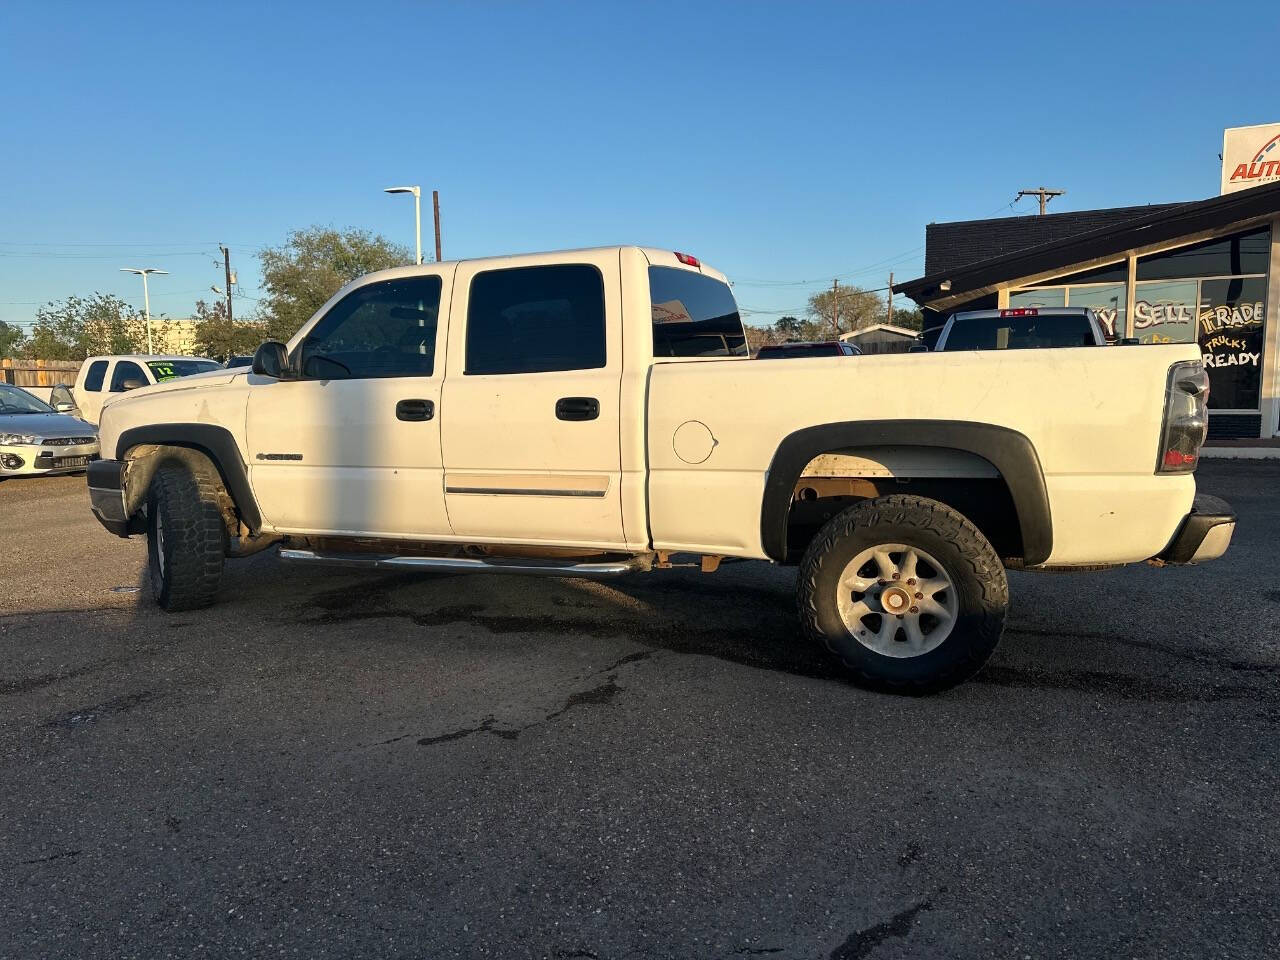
pixel 35 438
pixel 99 377
pixel 795 349
pixel 1021 328
pixel 240 360
pixel 510 415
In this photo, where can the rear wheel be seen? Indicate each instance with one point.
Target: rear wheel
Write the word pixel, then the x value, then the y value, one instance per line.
pixel 906 592
pixel 186 538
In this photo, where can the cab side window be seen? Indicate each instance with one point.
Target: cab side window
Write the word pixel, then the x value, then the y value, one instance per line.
pixel 385 329
pixel 97 373
pixel 536 319
pixel 126 370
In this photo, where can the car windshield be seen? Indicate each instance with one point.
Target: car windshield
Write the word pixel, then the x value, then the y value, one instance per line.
pixel 16 400
pixel 172 369
pixel 1020 333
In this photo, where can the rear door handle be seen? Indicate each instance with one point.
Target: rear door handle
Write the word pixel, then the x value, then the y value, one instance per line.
pixel 577 408
pixel 415 410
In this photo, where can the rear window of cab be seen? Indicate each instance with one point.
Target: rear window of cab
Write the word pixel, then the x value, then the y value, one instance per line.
pixel 694 315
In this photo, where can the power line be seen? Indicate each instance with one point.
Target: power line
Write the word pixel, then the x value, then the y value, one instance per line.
pixel 121 243
pixel 43 254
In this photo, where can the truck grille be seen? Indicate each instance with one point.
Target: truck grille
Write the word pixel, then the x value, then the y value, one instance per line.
pixel 66 441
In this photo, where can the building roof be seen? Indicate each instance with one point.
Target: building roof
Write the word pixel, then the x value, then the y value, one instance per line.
pixel 881 328
pixel 1159 224
pixel 949 246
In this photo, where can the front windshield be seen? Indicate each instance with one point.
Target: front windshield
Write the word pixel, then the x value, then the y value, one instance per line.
pixel 164 370
pixel 17 400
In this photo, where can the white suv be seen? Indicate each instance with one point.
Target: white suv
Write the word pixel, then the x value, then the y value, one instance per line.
pixel 99 377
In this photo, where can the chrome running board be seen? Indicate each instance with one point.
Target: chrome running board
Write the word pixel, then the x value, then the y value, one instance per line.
pixel 535 567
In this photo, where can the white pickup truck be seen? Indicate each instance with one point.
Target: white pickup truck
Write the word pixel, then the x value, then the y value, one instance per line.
pixel 595 412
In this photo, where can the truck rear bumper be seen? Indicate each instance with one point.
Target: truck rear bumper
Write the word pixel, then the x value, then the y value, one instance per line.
pixel 1205 532
pixel 106 495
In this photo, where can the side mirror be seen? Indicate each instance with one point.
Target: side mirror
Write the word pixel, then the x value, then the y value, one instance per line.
pixel 917 348
pixel 133 383
pixel 271 359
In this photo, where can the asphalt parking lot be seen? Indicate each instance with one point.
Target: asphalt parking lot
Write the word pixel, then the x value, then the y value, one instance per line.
pixel 334 764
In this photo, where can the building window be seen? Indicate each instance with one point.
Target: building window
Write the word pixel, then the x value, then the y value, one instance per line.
pixel 1105 299
pixel 1240 254
pixel 1040 297
pixel 1230 329
pixel 1221 286
pixel 1165 311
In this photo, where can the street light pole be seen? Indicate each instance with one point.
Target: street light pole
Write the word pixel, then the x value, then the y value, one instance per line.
pixel 417 217
pixel 146 295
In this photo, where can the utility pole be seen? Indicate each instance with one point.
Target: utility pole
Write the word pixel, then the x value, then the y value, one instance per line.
pixel 226 267
pixel 835 306
pixel 435 203
pixel 890 296
pixel 1043 193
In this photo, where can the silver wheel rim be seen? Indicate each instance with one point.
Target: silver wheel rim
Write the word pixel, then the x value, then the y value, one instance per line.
pixel 897 600
pixel 160 542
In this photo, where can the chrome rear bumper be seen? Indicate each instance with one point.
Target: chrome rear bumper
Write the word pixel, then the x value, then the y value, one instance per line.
pixel 1205 533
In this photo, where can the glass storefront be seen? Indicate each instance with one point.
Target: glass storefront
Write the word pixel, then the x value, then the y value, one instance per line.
pixel 1106 299
pixel 1165 311
pixel 1211 293
pixel 1230 330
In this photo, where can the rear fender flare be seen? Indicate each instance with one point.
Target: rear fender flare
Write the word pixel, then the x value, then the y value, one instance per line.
pixel 1009 451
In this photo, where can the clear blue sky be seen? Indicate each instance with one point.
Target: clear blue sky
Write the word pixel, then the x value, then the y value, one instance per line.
pixel 781 142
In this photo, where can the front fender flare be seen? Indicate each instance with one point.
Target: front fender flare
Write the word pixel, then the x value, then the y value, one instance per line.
pixel 1009 451
pixel 217 444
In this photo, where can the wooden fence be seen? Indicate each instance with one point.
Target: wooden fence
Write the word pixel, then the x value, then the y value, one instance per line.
pixel 38 373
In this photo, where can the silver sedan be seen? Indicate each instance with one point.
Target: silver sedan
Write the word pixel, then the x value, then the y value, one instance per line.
pixel 36 439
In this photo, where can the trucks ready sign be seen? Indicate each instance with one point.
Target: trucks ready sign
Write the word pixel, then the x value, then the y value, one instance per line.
pixel 1250 156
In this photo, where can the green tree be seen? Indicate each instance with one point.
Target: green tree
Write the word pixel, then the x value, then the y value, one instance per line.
pixel 220 338
pixel 789 326
pixel 79 327
pixel 11 340
pixel 911 318
pixel 857 309
pixel 311 266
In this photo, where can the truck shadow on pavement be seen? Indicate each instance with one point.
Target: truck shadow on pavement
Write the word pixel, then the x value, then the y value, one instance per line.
pixel 749 620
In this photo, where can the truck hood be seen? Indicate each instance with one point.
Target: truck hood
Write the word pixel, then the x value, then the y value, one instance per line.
pixel 193 382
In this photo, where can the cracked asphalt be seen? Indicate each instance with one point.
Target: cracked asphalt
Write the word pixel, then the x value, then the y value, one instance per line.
pixel 338 764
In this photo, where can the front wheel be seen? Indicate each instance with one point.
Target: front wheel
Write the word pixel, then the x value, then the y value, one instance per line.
pixel 906 592
pixel 186 539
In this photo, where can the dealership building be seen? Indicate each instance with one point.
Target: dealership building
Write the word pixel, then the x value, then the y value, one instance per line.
pixel 1206 272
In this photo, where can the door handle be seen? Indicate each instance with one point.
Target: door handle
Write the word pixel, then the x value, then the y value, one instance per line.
pixel 577 408
pixel 415 410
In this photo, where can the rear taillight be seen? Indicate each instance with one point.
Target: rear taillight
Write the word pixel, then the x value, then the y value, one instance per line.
pixel 1186 417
